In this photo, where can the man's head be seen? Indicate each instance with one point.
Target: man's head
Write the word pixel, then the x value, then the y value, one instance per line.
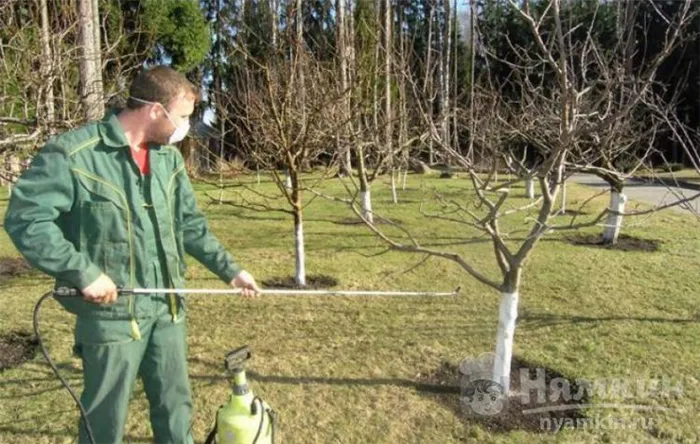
pixel 164 100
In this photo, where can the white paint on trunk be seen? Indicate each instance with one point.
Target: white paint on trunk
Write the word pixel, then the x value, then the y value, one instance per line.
pixel 614 222
pixel 563 198
pixel 504 339
pixel 530 188
pixel 366 197
pixel 394 198
pixel 300 253
pixel 405 177
pixel 288 181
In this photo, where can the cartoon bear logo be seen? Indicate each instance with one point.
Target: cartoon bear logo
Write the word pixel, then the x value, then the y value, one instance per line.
pixel 480 394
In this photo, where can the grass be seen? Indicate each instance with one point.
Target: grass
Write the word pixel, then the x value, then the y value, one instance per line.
pixel 686 175
pixel 347 370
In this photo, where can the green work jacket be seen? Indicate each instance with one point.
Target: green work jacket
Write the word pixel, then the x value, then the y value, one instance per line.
pixel 83 208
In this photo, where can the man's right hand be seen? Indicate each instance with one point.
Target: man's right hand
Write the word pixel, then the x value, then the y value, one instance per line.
pixel 101 291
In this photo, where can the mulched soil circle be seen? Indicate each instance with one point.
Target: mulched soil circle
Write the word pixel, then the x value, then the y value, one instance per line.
pixel 16 347
pixel 313 282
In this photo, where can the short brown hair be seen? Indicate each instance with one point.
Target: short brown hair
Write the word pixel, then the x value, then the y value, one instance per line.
pixel 160 84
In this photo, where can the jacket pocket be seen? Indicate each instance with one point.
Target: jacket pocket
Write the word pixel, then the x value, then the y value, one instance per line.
pixel 116 263
pixel 93 333
pixel 101 221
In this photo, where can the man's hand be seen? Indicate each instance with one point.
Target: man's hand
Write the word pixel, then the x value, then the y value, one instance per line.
pixel 246 281
pixel 101 291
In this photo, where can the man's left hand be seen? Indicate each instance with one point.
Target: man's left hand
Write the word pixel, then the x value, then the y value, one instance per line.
pixel 246 281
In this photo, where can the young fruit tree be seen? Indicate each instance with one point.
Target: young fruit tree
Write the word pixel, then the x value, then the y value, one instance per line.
pixel 287 132
pixel 563 99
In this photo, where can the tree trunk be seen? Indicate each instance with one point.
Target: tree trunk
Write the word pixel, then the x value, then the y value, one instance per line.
pixel 388 125
pixel 530 188
pixel 218 100
pixel 428 83
pixel 47 67
pixel 614 222
pixel 472 55
pixel 343 151
pixel 274 23
pixel 403 118
pixel 300 276
pixel 455 133
pixel 445 47
pixel 90 86
pixel 365 191
pixel 97 60
pixel 299 53
pixel 563 198
pixel 507 315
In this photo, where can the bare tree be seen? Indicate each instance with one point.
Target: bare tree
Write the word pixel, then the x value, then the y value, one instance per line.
pixel 555 122
pixel 287 131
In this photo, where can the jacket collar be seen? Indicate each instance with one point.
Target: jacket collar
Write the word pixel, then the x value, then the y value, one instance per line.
pixel 112 133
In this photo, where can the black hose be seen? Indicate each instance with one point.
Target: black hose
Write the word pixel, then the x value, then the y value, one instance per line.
pixel 262 417
pixel 83 413
pixel 271 416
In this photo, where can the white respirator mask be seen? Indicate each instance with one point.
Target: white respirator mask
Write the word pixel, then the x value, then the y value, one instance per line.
pixel 180 130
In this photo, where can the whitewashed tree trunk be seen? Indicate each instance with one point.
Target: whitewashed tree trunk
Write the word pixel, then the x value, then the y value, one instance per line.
pixel 563 197
pixel 504 340
pixel 405 177
pixel 614 222
pixel 288 180
pixel 530 188
pixel 394 197
pixel 300 253
pixel 366 197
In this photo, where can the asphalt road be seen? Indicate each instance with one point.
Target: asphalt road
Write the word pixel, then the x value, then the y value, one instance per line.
pixel 654 194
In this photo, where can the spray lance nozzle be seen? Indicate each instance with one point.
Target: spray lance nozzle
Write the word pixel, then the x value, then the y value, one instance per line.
pixel 235 363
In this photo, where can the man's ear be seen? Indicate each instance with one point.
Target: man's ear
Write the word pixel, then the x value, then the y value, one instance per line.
pixel 153 111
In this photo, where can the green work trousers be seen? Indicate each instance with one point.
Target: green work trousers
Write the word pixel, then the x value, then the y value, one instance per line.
pixel 113 359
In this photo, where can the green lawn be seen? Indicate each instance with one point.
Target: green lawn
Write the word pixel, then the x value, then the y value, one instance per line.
pixel 686 175
pixel 353 370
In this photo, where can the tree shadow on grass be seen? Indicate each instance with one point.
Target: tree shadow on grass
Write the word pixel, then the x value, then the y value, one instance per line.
pixel 536 320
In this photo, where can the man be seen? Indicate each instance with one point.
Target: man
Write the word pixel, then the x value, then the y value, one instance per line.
pixel 110 204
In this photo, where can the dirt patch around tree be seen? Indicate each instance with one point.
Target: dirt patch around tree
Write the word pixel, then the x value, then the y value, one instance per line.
pixel 13 267
pixel 480 401
pixel 313 282
pixel 16 347
pixel 624 242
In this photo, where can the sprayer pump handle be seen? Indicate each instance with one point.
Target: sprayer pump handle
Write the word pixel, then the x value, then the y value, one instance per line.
pixel 74 292
pixel 235 358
